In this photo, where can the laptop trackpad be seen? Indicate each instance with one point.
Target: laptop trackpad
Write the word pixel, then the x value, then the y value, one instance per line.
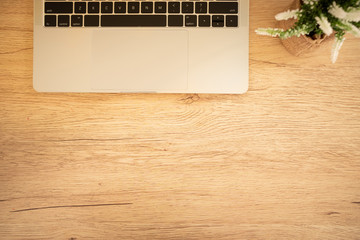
pixel 139 60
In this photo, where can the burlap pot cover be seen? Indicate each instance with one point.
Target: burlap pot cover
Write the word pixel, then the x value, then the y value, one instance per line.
pixel 303 45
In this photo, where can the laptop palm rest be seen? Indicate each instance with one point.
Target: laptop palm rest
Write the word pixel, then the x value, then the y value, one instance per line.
pixel 139 60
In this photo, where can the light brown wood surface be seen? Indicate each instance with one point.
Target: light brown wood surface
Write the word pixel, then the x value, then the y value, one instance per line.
pixel 280 162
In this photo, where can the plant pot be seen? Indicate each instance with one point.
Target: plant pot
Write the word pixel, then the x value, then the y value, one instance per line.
pixel 303 45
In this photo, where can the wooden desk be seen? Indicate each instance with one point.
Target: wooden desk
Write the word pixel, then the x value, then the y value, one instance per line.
pixel 280 162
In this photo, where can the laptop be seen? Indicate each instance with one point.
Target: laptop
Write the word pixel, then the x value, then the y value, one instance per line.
pixel 141 46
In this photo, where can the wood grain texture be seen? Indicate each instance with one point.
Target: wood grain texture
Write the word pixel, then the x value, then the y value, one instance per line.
pixel 280 162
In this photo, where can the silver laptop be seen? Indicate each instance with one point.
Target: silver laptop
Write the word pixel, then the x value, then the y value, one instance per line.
pixel 141 46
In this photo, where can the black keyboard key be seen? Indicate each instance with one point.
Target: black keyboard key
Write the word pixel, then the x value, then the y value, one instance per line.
pixel 174 7
pixel 133 7
pixel 201 7
pixel 63 21
pixel 50 21
pixel 133 20
pixel 120 7
pixel 91 20
pixel 223 7
pixel 160 7
pixel 58 7
pixel 175 21
pixel 147 7
pixel 204 20
pixel 93 7
pixel 218 20
pixel 76 20
pixel 231 20
pixel 106 7
pixel 80 7
pixel 190 21
pixel 187 7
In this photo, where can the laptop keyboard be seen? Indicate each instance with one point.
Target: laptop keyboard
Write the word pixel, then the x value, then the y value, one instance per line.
pixel 97 13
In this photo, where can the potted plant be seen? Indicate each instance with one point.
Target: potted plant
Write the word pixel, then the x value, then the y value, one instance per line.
pixel 309 24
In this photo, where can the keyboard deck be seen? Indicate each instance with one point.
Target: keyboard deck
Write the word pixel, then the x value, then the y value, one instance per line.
pixel 89 13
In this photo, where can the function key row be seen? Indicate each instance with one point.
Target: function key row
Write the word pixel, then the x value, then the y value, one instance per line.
pixel 146 7
pixel 141 20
